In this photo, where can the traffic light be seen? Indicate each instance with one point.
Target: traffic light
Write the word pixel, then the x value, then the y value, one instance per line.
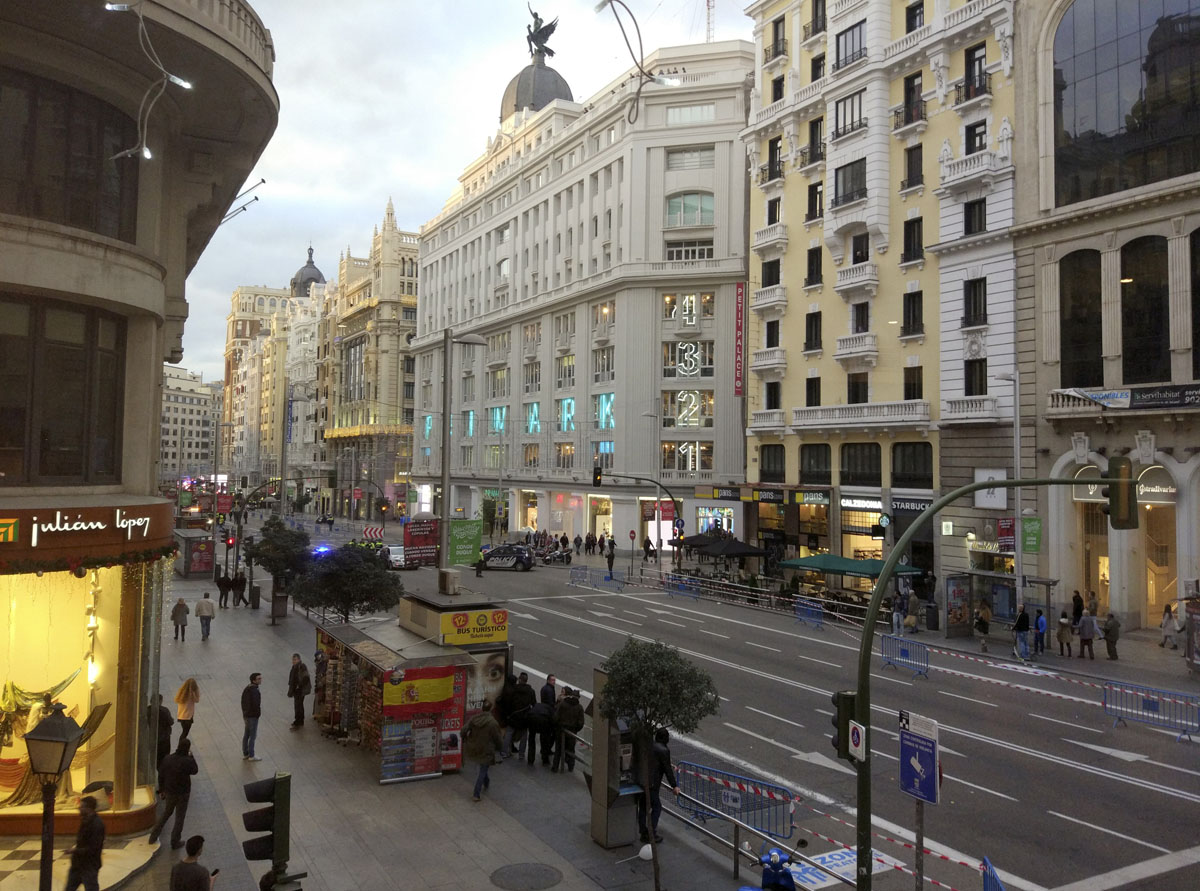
pixel 275 819
pixel 597 474
pixel 245 482
pixel 230 541
pixel 843 714
pixel 1122 507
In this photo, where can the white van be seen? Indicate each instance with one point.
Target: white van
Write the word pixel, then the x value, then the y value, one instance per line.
pixel 393 556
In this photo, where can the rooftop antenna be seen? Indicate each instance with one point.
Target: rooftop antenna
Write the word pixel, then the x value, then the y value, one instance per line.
pixel 710 13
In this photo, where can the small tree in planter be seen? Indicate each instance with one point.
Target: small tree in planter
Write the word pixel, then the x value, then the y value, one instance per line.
pixel 281 551
pixel 348 580
pixel 650 685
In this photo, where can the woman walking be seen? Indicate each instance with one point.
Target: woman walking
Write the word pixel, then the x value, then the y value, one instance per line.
pixel 179 614
pixel 185 701
pixel 1168 628
pixel 1064 634
pixel 482 741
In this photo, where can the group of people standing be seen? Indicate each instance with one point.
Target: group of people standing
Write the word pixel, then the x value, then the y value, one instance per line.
pixel 236 586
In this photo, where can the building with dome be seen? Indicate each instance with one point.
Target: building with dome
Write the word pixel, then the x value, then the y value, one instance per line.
pixel 533 88
pixel 305 276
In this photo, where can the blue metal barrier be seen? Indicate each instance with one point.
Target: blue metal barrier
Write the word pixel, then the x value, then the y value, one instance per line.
pixel 810 612
pixel 600 578
pixel 1179 712
pixel 899 651
pixel 579 576
pixel 768 808
pixel 681 585
pixel 991 881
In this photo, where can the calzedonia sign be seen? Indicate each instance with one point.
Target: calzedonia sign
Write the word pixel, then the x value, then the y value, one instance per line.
pixel 79 532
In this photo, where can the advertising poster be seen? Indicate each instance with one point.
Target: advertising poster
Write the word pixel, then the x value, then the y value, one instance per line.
pixel 465 539
pixel 1031 535
pixel 408 692
pixel 474 627
pixel 425 737
pixel 421 542
pixel 395 750
pixel 1006 534
pixel 202 556
pixel 451 724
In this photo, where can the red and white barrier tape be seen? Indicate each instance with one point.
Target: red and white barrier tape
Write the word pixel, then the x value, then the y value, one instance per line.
pixel 895 866
pixel 741 787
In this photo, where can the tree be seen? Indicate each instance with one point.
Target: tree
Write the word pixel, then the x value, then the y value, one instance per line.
pixel 301 501
pixel 348 580
pixel 652 686
pixel 281 551
pixel 489 516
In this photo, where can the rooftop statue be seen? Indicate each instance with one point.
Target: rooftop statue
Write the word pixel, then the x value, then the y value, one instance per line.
pixel 537 34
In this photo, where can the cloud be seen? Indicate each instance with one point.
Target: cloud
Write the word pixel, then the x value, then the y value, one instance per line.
pixel 393 98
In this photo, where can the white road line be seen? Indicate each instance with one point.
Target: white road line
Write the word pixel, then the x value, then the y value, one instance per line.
pixel 531 631
pixel 765 739
pixel 632 613
pixel 1065 723
pixel 969 699
pixel 594 653
pixel 776 717
pixel 676 624
pixel 879 754
pixel 565 643
pixel 1129 838
pixel 724 698
pixel 884 677
pixel 979 788
pixel 751 643
pixel 714 634
pixel 1136 872
pixel 818 661
pixel 628 621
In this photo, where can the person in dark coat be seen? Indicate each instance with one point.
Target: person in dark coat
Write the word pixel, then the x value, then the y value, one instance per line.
pixel 611 557
pixel 251 712
pixel 1021 630
pixel 660 768
pixel 1076 609
pixel 175 787
pixel 164 724
pixel 647 549
pixel 481 740
pixel 224 586
pixel 520 703
pixel 568 720
pixel 299 686
pixel 541 728
pixel 86 853
pixel 549 693
pixel 239 589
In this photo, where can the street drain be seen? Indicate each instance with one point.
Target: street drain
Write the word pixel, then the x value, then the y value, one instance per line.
pixel 526 877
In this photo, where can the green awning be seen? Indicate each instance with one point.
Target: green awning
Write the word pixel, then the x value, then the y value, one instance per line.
pixel 834 565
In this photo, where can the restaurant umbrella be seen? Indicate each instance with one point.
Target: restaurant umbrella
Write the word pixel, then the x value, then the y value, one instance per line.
pixel 731 549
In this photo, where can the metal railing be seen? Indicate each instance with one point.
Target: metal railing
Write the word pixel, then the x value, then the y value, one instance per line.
pixel 812 153
pixel 815 27
pixel 909 114
pixel 911 330
pixel 848 197
pixel 849 59
pixel 973 320
pixel 972 88
pixel 912 256
pixel 775 50
pixel 848 128
pixel 912 182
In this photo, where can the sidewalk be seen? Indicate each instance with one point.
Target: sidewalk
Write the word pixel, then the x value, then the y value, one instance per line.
pixel 348 832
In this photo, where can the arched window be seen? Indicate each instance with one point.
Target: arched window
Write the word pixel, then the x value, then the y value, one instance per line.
pixel 1145 316
pixel 690 209
pixel 271 305
pixel 261 303
pixel 1126 87
pixel 1080 344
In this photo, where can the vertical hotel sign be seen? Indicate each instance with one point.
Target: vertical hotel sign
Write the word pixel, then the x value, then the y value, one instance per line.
pixel 739 342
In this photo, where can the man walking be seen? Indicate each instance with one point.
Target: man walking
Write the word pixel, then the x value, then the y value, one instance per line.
pixel 1039 634
pixel 205 610
pixel 1112 631
pixel 188 874
pixel 89 843
pixel 224 586
pixel 521 703
pixel 239 588
pixel 162 719
pixel 568 721
pixel 175 787
pixel 299 686
pixel 481 740
pixel 660 768
pixel 1021 629
pixel 179 614
pixel 251 711
pixel 611 557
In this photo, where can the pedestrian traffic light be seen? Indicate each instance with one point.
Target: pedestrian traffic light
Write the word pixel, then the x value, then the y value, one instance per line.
pixel 597 474
pixel 1121 493
pixel 843 714
pixel 275 819
pixel 230 541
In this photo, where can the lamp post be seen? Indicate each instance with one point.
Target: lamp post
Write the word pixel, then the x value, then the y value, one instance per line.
pixel 1018 563
pixel 448 341
pixel 51 744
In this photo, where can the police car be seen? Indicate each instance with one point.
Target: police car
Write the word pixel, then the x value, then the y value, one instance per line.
pixel 510 556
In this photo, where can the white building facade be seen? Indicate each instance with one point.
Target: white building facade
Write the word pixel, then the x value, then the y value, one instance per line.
pixel 190 412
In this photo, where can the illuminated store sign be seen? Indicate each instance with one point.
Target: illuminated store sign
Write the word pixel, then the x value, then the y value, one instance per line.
pixel 851 503
pixel 497 418
pixel 428 426
pixel 533 418
pixel 604 411
pixel 566 415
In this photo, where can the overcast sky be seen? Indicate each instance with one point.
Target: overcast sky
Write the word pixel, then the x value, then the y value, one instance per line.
pixel 394 98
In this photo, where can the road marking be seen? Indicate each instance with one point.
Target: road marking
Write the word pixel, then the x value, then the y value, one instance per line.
pixel 676 624
pixel 632 613
pixel 765 739
pixel 565 643
pixel 751 643
pixel 969 699
pixel 818 661
pixel 602 616
pixel 1132 756
pixel 513 612
pixel 979 788
pixel 714 634
pixel 594 653
pixel 1127 875
pixel 667 612
pixel 531 631
pixel 776 717
pixel 723 698
pixel 884 677
pixel 1065 723
pixel 1130 838
pixel 811 757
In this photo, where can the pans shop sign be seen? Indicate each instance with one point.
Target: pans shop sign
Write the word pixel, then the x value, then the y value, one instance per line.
pixel 74 533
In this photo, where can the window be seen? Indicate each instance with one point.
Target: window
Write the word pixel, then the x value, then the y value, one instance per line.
pixel 914 242
pixel 914 16
pixel 56 149
pixel 564 455
pixel 815 150
pixel 812 330
pixel 531 454
pixel 851 45
pixel 564 325
pixel 603 314
pixel 408 313
pixel 691 114
pixel 817 67
pixel 686 308
pixel 1080 318
pixel 410 365
pixel 974 302
pixel 703 158
pixel 914 314
pixel 813 267
pixel 603 453
pixel 816 202
pixel 699 249
pixel 531 334
pixel 603 416
pixel 976 137
pixel 777 88
pixel 913 173
pixel 564 371
pixel 1145 314
pixel 850 182
pixel 912 465
pixel 975 216
pixel 771 464
pixel 913 107
pixel 771 334
pixel 975 63
pixel 409 390
pixel 857 388
pixel 814 465
pixel 687 408
pixel 773 206
pixel 812 391
pixel 775 158
pixel 686 359
pixel 532 422
pixel 771 395
pixel 860 248
pixel 848 115
pixel 914 383
pixel 687 457
pixel 860 464
pixel 502 268
pixel 690 209
pixel 498 383
pixel 467 456
pixel 531 377
pixel 975 377
pixel 604 364
pixel 468 388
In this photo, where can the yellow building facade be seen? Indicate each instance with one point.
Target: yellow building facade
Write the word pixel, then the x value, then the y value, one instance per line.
pixel 880 296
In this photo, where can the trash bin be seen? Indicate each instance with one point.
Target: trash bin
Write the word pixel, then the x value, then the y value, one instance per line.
pixel 255 596
pixel 279 606
pixel 931 616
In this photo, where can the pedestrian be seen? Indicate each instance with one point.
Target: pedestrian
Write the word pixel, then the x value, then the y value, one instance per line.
pixel 185 705
pixel 1168 628
pixel 1076 609
pixel 983 621
pixel 578 544
pixel 610 557
pixel 660 768
pixel 299 686
pixel 647 549
pixel 541 729
pixel 913 613
pixel 224 585
pixel 160 717
pixel 601 542
pixel 568 721
pixel 1112 631
pixel 1021 632
pixel 479 564
pixel 520 704
pixel 251 712
pixel 175 788
pixel 1092 604
pixel 481 740
pixel 179 614
pixel 86 852
pixel 239 589
pixel 1064 634
pixel 548 693
pixel 1087 633
pixel 564 542
pixel 1039 634
pixel 188 874
pixel 205 610
pixel 897 616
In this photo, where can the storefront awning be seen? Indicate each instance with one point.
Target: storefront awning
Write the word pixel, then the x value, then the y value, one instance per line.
pixel 834 565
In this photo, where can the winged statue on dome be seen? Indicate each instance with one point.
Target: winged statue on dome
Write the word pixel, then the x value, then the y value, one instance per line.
pixel 538 33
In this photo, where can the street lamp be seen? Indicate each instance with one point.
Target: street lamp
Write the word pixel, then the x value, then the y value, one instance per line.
pixel 51 744
pixel 448 340
pixel 1014 378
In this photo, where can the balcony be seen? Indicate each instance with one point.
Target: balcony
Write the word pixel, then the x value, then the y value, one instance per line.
pixel 496 357
pixel 847 60
pixel 912 329
pixel 813 29
pixel 974 320
pixel 768 173
pixel 772 299
pixel 811 154
pixel 602 333
pixel 562 341
pixel 970 410
pixel 969 171
pixel 916 255
pixel 502 282
pixel 911 414
pixel 765 114
pixel 913 182
pixel 849 197
pixel 768 421
pixel 531 348
pixel 907 42
pixel 858 349
pixel 814 281
pixel 773 52
pixel 910 120
pixel 809 93
pixel 973 92
pixel 769 238
pixel 859 278
pixel 846 129
pixel 769 363
pixel 687 219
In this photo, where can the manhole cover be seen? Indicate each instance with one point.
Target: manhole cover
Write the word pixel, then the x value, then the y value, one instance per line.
pixel 526 877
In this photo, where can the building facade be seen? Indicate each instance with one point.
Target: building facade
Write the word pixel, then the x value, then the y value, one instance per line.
pixel 190 412
pixel 599 249
pixel 101 220
pixel 881 289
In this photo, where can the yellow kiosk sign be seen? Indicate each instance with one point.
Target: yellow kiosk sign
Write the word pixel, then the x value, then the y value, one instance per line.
pixel 474 627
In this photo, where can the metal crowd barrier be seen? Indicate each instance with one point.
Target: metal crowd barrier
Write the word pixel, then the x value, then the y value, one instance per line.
pixel 991 881
pixel 681 585
pixel 714 793
pixel 810 612
pixel 1179 712
pixel 898 651
pixel 579 576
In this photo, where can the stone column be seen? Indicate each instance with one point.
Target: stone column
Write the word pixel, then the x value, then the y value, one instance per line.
pixel 1110 307
pixel 1179 278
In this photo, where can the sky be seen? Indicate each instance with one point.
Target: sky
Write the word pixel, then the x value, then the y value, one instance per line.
pixel 393 98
